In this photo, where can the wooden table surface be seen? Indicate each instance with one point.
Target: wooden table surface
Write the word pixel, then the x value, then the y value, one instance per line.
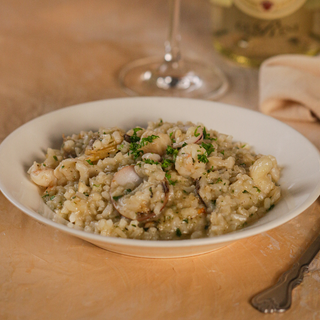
pixel 56 53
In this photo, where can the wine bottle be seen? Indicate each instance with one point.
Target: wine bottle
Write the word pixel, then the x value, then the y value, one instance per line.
pixel 250 31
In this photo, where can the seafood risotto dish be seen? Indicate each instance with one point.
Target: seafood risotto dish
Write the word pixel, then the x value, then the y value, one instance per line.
pixel 167 181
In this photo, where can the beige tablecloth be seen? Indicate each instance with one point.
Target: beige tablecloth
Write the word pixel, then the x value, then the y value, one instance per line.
pixel 58 53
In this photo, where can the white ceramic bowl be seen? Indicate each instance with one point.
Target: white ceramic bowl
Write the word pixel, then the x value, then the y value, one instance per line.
pixel 300 179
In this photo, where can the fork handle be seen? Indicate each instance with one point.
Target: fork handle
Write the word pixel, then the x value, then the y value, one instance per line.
pixel 278 297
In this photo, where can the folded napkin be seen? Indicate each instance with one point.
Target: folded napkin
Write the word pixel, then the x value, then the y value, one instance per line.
pixel 290 87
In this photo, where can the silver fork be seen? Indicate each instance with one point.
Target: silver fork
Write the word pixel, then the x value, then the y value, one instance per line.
pixel 278 297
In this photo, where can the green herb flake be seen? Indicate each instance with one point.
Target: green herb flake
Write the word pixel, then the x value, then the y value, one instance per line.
pixel 146 140
pixel 219 180
pixel 116 198
pixel 62 167
pixel 243 146
pixel 52 197
pixel 172 151
pixel 271 207
pixel 168 176
pixel 185 220
pixel 134 137
pixel 128 190
pixel 166 163
pixel 258 190
pixel 45 195
pixel 206 136
pixel 208 147
pixel 90 162
pixel 133 225
pixel 184 144
pixel 222 152
pixel 196 133
pixel 86 194
pixel 178 232
pixel 203 158
pixel 149 161
pixel 245 191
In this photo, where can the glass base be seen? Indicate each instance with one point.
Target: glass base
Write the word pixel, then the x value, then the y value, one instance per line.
pixel 188 79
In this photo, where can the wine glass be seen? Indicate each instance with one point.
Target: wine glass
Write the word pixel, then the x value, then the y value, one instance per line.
pixel 171 75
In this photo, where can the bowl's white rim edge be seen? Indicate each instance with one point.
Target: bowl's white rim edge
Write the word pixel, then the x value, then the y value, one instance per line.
pixel 237 235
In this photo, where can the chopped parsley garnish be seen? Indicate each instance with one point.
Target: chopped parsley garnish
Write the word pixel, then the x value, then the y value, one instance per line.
pixel 90 162
pixel 147 140
pixel 271 207
pixel 62 167
pixel 116 198
pixel 210 170
pixel 172 151
pixel 52 197
pixel 245 191
pixel 149 161
pixel 219 180
pixel 184 191
pixel 208 147
pixel 135 146
pixel 55 158
pixel 206 135
pixel 166 163
pixel 185 220
pixel 184 144
pixel 178 232
pixel 96 185
pixel 134 137
pixel 258 190
pixel 133 225
pixel 86 194
pixel 214 202
pixel 168 176
pixel 128 190
pixel 243 146
pixel 222 152
pixel 196 133
pixel 203 158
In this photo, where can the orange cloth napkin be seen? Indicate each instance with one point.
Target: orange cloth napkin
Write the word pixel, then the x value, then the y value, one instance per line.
pixel 290 87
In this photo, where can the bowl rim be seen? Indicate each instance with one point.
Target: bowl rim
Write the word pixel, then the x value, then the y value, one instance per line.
pixel 228 237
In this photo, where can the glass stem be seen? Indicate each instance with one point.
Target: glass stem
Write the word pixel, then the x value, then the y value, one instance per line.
pixel 172 48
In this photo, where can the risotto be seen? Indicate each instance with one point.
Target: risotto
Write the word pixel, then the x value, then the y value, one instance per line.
pixel 167 181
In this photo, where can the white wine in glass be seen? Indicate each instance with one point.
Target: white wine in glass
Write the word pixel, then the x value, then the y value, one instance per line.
pixel 171 75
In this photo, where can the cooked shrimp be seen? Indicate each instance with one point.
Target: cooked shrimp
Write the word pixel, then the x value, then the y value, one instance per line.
pixel 42 175
pixel 188 163
pixel 158 145
pixel 265 172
